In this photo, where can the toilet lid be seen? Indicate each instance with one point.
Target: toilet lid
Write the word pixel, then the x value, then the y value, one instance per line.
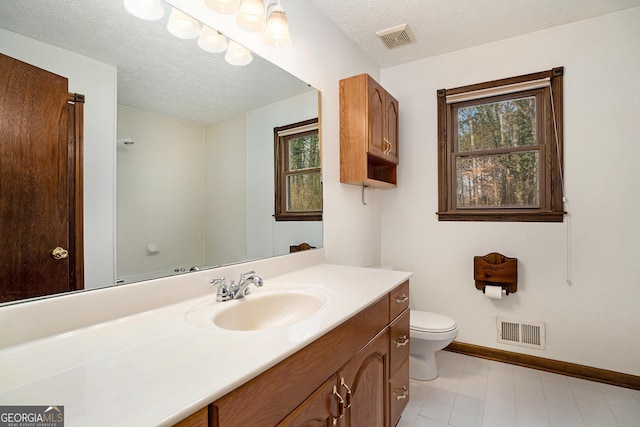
pixel 430 322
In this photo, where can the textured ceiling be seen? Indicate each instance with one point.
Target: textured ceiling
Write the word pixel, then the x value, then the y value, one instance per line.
pixel 156 71
pixel 446 25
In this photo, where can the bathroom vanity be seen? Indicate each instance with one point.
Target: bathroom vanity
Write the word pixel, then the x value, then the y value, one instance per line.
pixel 365 360
pixel 346 363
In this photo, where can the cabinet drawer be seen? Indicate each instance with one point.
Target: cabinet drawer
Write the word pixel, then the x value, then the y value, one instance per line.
pixel 399 392
pixel 399 341
pixel 399 300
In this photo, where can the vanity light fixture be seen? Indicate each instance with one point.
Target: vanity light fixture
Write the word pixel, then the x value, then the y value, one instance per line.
pixel 149 10
pixel 211 40
pixel 252 16
pixel 224 7
pixel 237 54
pixel 277 32
pixel 182 25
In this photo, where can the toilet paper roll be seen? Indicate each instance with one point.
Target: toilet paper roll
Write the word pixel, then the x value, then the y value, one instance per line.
pixel 493 292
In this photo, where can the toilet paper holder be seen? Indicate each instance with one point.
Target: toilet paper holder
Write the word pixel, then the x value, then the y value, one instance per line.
pixel 495 269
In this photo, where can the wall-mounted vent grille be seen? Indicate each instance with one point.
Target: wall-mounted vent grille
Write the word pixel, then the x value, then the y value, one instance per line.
pixel 523 334
pixel 396 36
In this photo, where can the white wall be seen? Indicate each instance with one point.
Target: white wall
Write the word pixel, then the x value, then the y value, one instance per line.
pixel 265 235
pixel 593 319
pixel 97 81
pixel 226 186
pixel 160 193
pixel 321 55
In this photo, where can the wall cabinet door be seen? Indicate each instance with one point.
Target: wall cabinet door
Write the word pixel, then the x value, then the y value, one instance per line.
pixel 391 127
pixel 376 118
pixel 382 123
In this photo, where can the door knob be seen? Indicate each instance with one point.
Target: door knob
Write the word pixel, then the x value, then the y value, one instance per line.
pixel 60 253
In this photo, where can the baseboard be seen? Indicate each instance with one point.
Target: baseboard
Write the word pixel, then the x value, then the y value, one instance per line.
pixel 549 365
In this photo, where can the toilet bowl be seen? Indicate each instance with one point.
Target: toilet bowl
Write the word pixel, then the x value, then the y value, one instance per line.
pixel 429 333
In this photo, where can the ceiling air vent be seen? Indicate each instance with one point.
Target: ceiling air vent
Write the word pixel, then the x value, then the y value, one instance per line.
pixel 399 35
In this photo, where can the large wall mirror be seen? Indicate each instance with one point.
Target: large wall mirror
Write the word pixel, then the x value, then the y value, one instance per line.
pixel 179 144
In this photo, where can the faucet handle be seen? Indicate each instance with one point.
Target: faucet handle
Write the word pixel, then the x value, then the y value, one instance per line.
pixel 223 293
pixel 219 281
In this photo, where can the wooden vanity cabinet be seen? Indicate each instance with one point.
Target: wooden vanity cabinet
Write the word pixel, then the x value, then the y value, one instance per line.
pixel 343 378
pixel 368 133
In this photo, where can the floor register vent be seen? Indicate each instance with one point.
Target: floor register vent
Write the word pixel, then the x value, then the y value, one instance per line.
pixel 523 334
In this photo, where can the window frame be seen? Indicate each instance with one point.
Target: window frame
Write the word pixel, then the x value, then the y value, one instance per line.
pixel 281 160
pixel 550 196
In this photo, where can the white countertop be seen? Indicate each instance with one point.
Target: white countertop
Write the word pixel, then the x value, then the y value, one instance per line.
pixel 153 368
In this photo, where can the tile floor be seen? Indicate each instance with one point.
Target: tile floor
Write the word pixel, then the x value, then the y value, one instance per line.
pixel 473 392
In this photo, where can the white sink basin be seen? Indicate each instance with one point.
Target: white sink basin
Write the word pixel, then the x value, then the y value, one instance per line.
pixel 264 308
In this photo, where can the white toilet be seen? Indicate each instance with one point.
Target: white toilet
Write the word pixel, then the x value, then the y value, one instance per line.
pixel 429 333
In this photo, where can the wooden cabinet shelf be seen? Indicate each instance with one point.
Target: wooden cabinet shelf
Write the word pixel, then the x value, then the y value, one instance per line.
pixel 368 133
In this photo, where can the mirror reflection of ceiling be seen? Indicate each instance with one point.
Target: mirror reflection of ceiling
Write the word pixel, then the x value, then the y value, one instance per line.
pixel 148 57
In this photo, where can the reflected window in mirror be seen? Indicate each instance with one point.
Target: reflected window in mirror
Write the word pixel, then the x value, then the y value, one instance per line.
pixel 298 172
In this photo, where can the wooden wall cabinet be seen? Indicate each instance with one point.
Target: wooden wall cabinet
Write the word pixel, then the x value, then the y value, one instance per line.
pixel 348 377
pixel 368 133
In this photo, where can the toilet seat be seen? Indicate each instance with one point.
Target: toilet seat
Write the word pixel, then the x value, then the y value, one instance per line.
pixel 425 321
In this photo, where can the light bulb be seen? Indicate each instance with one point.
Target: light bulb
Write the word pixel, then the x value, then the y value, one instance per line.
pixel 211 40
pixel 251 16
pixel 237 55
pixel 225 7
pixel 182 25
pixel 277 32
pixel 149 10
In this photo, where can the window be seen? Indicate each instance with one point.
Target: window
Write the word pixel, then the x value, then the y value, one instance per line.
pixel 298 187
pixel 500 150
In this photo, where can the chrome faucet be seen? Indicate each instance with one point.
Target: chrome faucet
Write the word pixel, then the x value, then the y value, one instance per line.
pixel 242 288
pixel 236 291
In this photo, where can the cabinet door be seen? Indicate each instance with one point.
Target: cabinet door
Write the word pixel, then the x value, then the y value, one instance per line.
pixel 318 410
pixel 376 116
pixel 363 384
pixel 391 128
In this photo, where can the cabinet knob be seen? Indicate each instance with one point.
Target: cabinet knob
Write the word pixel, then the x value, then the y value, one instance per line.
pixel 402 299
pixel 401 393
pixel 402 341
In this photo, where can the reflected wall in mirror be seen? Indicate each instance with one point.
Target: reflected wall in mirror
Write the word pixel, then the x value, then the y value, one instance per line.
pixel 178 143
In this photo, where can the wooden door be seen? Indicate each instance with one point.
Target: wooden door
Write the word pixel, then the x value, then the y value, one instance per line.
pixel 40 182
pixel 364 381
